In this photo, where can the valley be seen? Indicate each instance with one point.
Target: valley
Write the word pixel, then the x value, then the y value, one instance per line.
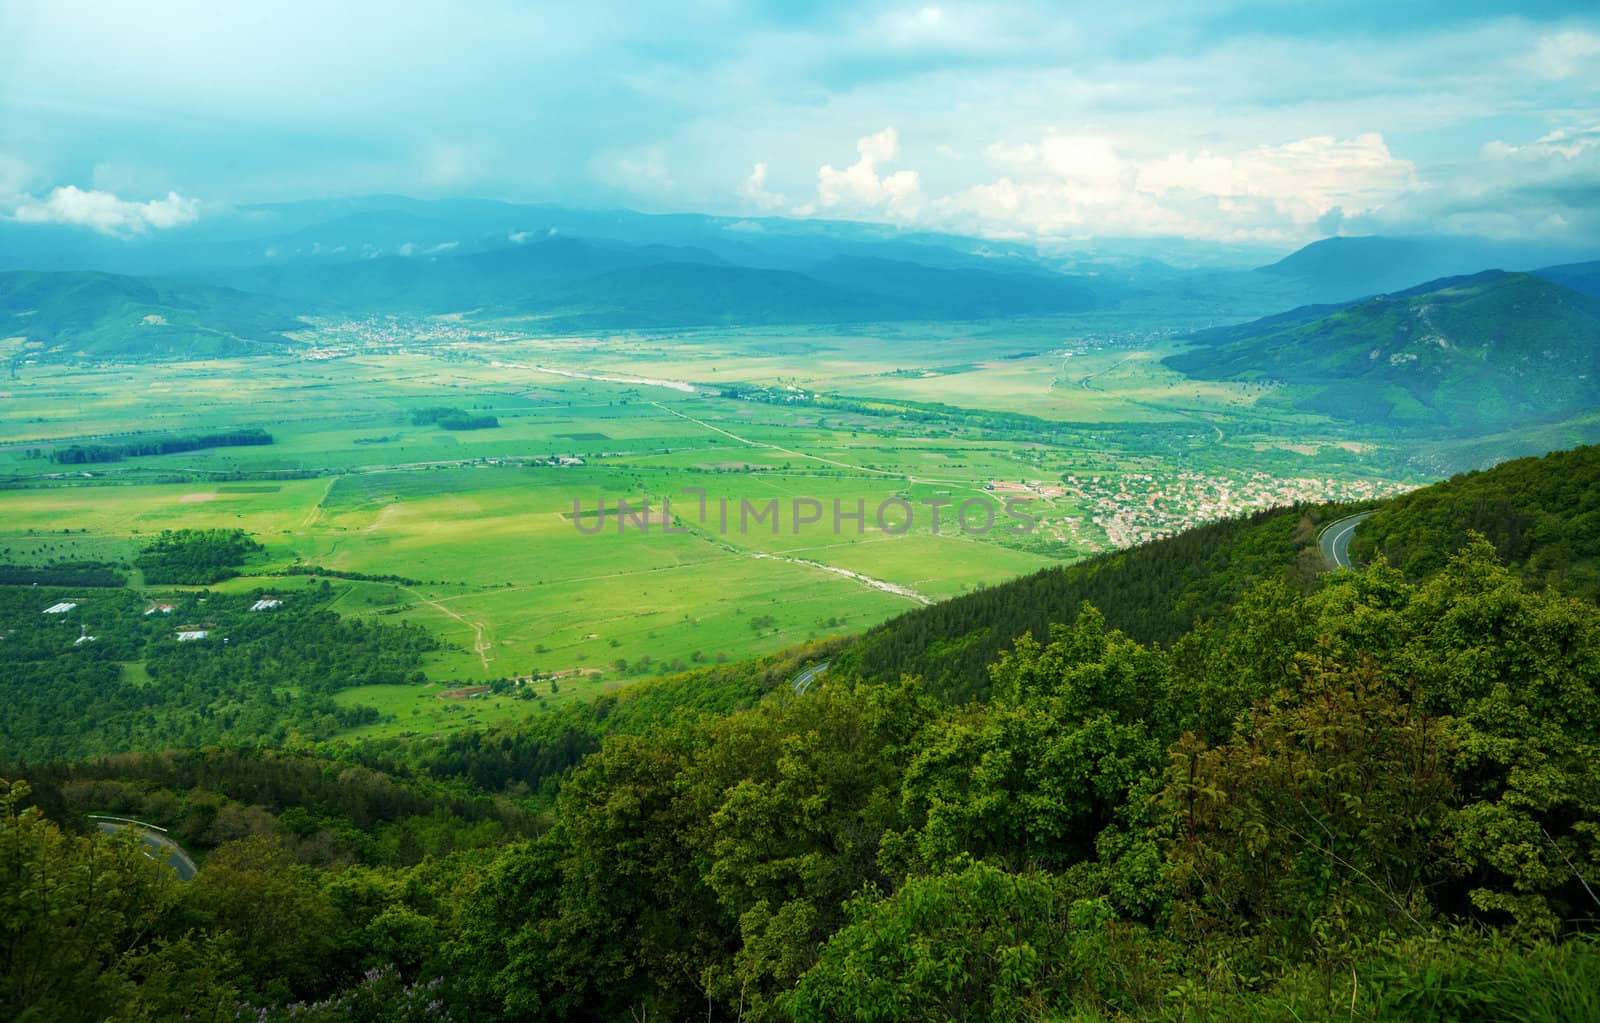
pixel 471 533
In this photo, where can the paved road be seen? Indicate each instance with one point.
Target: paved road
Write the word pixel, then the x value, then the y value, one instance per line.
pixel 802 681
pixel 157 845
pixel 1335 539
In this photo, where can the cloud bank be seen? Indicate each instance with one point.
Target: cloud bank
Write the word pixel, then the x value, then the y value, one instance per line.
pixel 106 213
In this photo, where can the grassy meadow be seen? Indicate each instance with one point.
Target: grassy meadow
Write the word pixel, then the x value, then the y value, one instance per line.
pixel 479 524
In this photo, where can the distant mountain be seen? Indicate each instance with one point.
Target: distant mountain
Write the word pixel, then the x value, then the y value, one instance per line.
pixel 1490 350
pixel 1361 265
pixel 966 293
pixel 440 278
pixel 1343 269
pixel 109 315
pixel 571 281
pixel 1584 277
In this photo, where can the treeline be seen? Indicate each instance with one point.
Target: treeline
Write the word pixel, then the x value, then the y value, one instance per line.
pixel 195 557
pixel 361 577
pixel 1541 514
pixel 98 574
pixel 447 418
pixel 78 454
pixel 1342 804
pixel 1154 592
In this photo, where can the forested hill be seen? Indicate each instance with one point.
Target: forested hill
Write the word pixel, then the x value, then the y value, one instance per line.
pixel 1541 514
pixel 113 316
pixel 1492 349
pixel 1154 593
pixel 1377 801
pixel 1346 795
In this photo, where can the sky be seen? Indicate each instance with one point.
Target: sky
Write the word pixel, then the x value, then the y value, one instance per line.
pixel 1212 120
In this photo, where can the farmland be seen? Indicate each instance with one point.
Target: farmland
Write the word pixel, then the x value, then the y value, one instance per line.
pixel 803 470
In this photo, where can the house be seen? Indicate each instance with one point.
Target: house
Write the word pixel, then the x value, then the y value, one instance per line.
pixel 164 609
pixel 191 635
pixel 59 609
pixel 266 604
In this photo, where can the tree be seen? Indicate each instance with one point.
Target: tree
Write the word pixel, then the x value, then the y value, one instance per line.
pixel 75 913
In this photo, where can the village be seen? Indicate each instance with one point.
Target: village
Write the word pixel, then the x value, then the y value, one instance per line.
pixel 1140 507
pixel 1135 508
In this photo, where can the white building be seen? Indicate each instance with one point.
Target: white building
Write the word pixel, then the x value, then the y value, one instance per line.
pixel 192 635
pixel 59 609
pixel 266 604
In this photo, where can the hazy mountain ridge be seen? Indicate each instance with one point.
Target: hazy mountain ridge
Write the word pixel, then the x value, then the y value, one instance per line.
pixel 592 269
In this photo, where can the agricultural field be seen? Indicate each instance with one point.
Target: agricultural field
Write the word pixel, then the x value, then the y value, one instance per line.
pixel 469 482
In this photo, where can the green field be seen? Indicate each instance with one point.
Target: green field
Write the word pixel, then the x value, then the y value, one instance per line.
pixel 479 527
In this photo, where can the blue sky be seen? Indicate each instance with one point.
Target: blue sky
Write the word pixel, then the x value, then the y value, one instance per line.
pixel 1228 121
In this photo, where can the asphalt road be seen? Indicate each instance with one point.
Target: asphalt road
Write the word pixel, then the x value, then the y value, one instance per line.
pixel 802 681
pixel 157 845
pixel 1335 539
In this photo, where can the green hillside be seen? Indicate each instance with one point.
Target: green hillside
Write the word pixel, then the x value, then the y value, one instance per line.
pixel 1482 352
pixel 1154 593
pixel 1350 796
pixel 108 315
pixel 1541 514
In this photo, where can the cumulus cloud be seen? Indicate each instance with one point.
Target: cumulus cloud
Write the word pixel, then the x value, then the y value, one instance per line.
pixel 106 213
pixel 754 190
pixel 860 188
pixel 1065 185
pixel 1548 188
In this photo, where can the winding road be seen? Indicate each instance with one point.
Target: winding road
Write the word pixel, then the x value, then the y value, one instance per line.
pixel 1334 539
pixel 802 681
pixel 157 845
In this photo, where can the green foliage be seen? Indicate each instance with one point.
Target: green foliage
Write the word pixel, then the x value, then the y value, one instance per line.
pixel 77 454
pixel 256 678
pixel 195 557
pixel 381 997
pixel 75 915
pixel 1318 826
pixel 64 573
pixel 447 418
pixel 1541 514
pixel 1357 796
pixel 977 943
pixel 1154 593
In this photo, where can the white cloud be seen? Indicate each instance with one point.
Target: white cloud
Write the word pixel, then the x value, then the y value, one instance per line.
pixel 1562 55
pixel 1065 185
pixel 859 188
pixel 1548 189
pixel 754 190
pixel 106 213
pixel 413 249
